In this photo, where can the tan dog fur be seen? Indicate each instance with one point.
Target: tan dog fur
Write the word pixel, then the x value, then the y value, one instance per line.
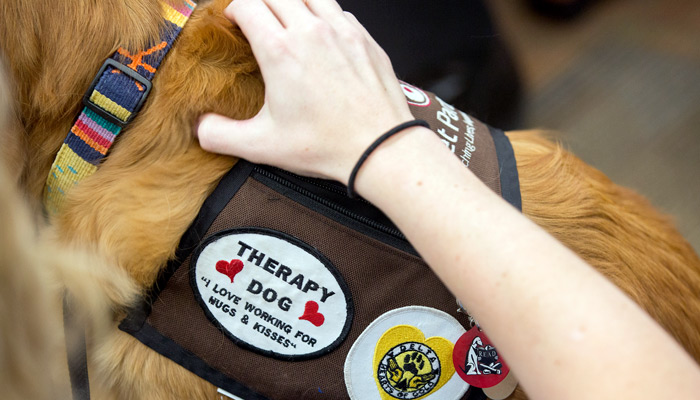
pixel 134 210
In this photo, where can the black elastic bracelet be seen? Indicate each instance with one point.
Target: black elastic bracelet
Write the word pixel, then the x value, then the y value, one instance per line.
pixel 373 146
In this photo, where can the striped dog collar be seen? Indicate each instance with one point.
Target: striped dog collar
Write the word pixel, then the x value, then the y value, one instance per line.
pixel 114 98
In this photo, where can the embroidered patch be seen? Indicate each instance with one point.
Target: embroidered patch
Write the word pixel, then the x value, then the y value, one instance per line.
pixel 477 361
pixel 414 95
pixel 405 354
pixel 413 366
pixel 271 293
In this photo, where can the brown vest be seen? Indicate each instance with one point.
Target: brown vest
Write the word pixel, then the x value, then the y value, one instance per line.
pixel 285 288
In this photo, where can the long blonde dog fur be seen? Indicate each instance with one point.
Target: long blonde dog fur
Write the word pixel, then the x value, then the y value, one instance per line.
pixel 36 274
pixel 133 212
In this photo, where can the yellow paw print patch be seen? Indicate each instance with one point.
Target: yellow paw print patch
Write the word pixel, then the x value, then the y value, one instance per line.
pixel 406 354
pixel 409 366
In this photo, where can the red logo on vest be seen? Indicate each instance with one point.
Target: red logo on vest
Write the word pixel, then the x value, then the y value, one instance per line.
pixel 477 361
pixel 415 96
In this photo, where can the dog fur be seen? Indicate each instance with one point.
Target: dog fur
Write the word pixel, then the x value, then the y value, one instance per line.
pixel 134 210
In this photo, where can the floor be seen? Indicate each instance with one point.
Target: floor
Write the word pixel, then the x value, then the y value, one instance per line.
pixel 622 85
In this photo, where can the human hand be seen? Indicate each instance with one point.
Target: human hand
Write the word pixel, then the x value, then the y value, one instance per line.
pixel 330 90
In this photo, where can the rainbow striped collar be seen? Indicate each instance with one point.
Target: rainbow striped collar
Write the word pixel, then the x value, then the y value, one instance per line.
pixel 115 97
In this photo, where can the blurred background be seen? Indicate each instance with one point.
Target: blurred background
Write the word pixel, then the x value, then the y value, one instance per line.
pixel 619 79
pixel 621 82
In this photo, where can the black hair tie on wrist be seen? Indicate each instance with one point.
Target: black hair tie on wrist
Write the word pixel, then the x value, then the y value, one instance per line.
pixel 373 146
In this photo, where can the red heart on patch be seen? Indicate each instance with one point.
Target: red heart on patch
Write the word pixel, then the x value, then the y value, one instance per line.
pixel 229 269
pixel 312 315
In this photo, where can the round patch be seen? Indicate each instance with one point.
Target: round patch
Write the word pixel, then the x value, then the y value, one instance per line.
pixel 405 354
pixel 414 95
pixel 409 370
pixel 477 361
pixel 271 293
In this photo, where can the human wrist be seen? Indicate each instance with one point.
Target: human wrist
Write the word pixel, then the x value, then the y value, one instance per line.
pixel 388 166
pixel 378 142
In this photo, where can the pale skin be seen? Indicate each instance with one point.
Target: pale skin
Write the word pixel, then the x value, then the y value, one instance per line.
pixel 330 91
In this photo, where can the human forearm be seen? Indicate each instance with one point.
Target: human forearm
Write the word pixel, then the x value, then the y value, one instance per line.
pixel 560 324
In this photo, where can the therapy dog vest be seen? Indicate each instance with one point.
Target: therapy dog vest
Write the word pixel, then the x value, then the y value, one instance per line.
pixel 285 288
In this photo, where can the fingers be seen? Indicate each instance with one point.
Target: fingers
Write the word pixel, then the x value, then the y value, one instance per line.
pixel 328 10
pixel 289 12
pixel 222 135
pixel 256 20
pixel 257 16
pixel 211 135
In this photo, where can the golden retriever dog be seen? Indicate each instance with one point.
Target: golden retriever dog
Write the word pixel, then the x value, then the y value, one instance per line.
pixel 134 210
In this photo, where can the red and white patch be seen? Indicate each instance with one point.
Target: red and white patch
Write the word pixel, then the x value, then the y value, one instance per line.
pixel 414 95
pixel 477 361
pixel 271 293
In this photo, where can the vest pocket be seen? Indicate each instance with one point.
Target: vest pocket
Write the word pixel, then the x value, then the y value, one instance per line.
pixel 331 200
